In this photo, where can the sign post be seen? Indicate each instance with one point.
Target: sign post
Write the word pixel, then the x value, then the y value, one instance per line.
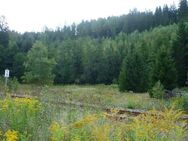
pixel 6 77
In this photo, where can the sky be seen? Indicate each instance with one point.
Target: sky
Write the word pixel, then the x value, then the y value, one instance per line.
pixel 34 15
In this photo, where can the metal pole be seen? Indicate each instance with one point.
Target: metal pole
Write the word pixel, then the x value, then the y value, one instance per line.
pixel 6 81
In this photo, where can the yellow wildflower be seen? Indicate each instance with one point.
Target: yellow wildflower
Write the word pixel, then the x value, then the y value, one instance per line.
pixel 11 135
pixel 57 132
pixel 86 120
pixel 54 126
pixel 101 133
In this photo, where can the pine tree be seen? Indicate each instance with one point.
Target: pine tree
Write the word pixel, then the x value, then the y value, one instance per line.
pixel 134 72
pixel 187 79
pixel 122 79
pixel 183 10
pixel 164 69
pixel 4 40
pixel 180 53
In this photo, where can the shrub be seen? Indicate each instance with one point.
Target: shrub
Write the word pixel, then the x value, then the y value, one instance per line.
pixel 133 103
pixel 157 91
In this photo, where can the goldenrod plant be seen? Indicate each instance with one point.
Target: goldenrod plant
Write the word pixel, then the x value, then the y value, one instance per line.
pixel 154 125
pixel 18 117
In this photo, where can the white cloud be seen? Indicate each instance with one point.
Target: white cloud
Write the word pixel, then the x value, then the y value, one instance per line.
pixel 33 15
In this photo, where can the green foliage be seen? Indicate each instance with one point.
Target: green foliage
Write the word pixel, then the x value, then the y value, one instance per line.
pixel 132 104
pixel 38 65
pixel 164 69
pixel 69 63
pixel 122 80
pixel 180 53
pixel 157 91
pixel 134 73
pixel 183 10
pixel 187 79
pixel 4 41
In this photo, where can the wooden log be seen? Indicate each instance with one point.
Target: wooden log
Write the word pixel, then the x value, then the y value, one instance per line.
pixel 20 96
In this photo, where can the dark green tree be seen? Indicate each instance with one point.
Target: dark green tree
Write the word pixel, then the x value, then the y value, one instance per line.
pixel 180 53
pixel 69 64
pixel 134 73
pixel 164 69
pixel 183 10
pixel 187 79
pixel 4 40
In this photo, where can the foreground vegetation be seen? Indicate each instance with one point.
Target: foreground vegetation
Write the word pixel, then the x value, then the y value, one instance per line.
pixel 52 114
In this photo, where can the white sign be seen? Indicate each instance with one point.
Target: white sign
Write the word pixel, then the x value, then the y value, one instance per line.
pixel 6 73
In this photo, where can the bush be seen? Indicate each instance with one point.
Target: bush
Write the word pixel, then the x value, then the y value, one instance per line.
pixel 132 103
pixel 157 91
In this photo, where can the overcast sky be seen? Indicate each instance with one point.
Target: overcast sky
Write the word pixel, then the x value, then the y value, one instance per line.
pixel 33 15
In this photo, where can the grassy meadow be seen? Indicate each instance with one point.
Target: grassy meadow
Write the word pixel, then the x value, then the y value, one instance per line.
pixel 99 95
pixel 77 113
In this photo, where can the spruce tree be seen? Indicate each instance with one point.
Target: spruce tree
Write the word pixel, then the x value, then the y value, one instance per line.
pixel 180 53
pixel 164 69
pixel 183 10
pixel 122 78
pixel 134 72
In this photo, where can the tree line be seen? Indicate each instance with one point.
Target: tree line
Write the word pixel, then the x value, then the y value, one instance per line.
pixel 134 50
